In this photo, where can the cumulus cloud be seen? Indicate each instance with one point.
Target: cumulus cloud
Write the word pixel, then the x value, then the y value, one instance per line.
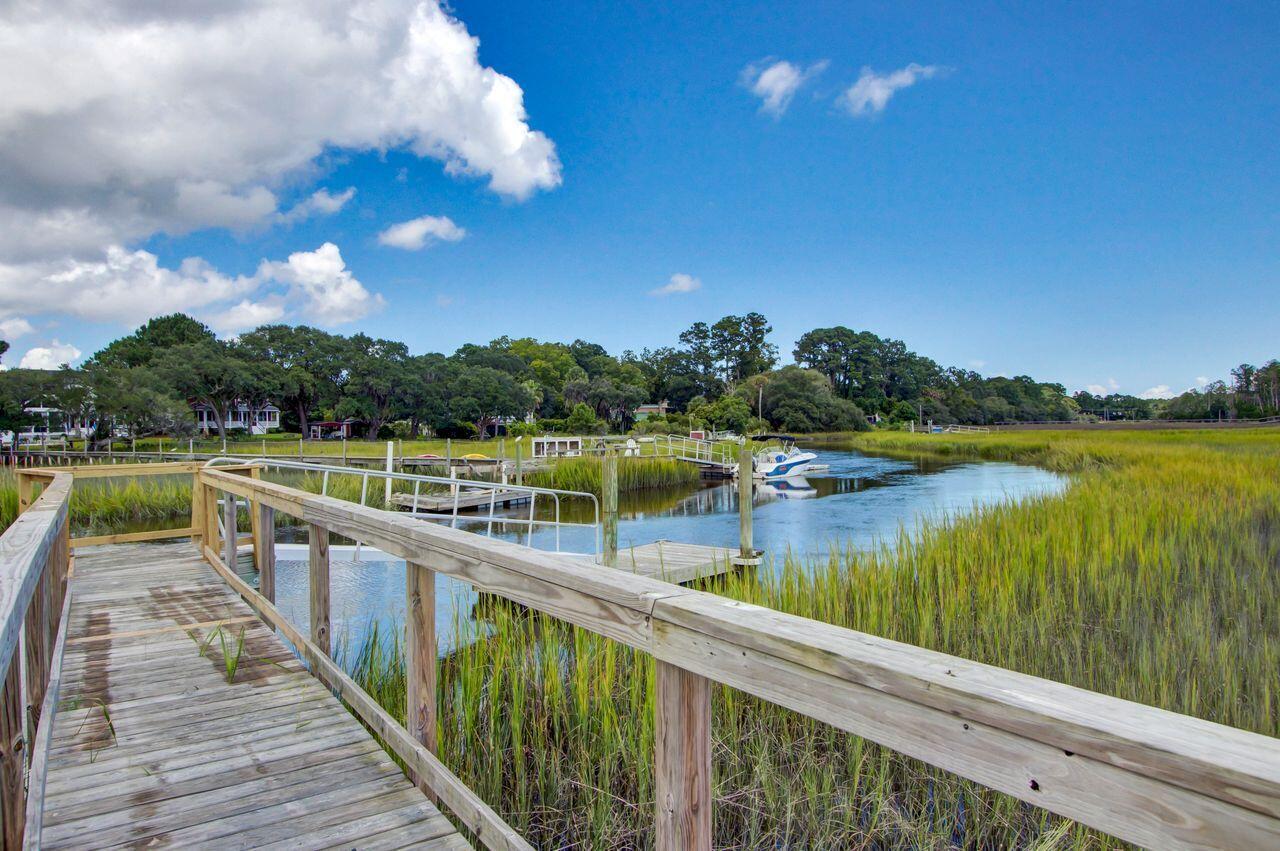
pixel 121 119
pixel 323 286
pixel 1160 391
pixel 52 356
pixel 417 233
pixel 679 284
pixel 129 287
pixel 1202 380
pixel 776 82
pixel 14 327
pixel 872 91
pixel 319 203
pixel 1099 390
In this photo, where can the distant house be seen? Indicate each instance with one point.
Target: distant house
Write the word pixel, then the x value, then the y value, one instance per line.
pixel 240 418
pixel 51 424
pixel 643 412
pixel 331 429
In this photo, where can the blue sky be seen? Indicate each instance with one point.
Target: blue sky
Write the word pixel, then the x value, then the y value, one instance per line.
pixel 1086 195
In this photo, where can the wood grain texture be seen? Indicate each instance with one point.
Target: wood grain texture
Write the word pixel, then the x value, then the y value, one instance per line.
pixel 149 745
pixel 318 561
pixel 682 759
pixel 230 529
pixel 478 816
pixel 13 802
pixel 420 653
pixel 264 550
pixel 42 742
pixel 1143 774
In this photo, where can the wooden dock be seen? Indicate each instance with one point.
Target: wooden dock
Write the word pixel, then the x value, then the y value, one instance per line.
pixel 675 562
pixel 138 735
pixel 468 499
pixel 153 746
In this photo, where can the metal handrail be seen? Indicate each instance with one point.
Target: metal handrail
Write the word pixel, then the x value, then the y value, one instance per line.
pixel 456 486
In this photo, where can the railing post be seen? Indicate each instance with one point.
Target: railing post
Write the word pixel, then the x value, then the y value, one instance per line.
pixel 210 524
pixel 609 491
pixel 746 544
pixel 519 466
pixel 420 653
pixel 13 803
pixel 682 759
pixel 319 563
pixel 197 512
pixel 230 535
pixel 264 551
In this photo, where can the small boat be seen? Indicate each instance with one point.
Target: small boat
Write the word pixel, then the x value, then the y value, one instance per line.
pixel 779 462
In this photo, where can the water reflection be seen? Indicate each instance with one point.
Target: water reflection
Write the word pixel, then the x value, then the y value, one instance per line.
pixel 859 500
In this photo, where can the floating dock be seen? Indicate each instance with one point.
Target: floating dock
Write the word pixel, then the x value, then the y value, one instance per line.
pixel 672 561
pixel 469 499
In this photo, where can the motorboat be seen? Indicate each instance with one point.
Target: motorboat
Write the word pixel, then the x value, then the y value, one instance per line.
pixel 779 462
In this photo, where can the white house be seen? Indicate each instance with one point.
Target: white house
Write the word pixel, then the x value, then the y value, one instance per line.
pixel 240 418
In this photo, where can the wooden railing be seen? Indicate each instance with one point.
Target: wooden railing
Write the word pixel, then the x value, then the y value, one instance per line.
pixel 1142 774
pixel 1145 775
pixel 34 561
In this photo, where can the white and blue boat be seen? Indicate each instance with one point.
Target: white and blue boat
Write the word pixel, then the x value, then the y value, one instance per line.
pixel 782 461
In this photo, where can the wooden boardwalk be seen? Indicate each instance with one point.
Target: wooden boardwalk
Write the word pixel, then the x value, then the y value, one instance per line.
pixel 153 747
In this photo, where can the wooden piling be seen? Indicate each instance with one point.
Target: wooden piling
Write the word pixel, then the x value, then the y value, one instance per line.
pixel 319 569
pixel 682 759
pixel 746 544
pixel 264 551
pixel 420 653
pixel 609 492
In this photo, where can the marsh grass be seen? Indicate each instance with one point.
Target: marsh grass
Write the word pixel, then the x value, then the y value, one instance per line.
pixel 1152 578
pixel 586 474
pixel 103 506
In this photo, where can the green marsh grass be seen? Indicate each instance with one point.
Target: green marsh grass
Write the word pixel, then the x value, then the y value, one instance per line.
pixel 586 474
pixel 1153 577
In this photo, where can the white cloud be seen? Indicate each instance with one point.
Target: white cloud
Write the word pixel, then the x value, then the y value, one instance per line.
pixel 1099 390
pixel 416 233
pixel 443 300
pixel 1202 380
pixel 14 327
pixel 1160 391
pixel 872 91
pixel 120 119
pixel 51 356
pixel 775 83
pixel 680 283
pixel 323 286
pixel 319 203
pixel 248 315
pixel 129 287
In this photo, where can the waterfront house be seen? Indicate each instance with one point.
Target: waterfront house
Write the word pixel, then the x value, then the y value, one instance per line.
pixel 241 417
pixel 643 412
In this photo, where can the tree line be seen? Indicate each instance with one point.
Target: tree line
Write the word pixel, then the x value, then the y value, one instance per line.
pixel 723 375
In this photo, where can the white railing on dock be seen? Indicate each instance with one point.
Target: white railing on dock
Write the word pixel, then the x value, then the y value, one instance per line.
pixel 497 492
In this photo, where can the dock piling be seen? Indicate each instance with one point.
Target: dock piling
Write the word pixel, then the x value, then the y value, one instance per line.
pixel 609 490
pixel 747 551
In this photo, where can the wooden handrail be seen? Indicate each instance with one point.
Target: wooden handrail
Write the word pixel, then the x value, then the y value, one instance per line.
pixel 1143 774
pixel 34 559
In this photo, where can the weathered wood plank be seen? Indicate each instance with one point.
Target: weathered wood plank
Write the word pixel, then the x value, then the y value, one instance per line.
pixel 42 742
pixel 461 801
pixel 167 751
pixel 420 653
pixel 318 550
pixel 264 550
pixel 133 537
pixel 682 759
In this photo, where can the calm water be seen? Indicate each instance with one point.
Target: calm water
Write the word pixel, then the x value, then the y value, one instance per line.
pixel 859 500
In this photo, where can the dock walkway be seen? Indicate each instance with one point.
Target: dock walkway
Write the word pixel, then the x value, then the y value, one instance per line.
pixel 153 746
